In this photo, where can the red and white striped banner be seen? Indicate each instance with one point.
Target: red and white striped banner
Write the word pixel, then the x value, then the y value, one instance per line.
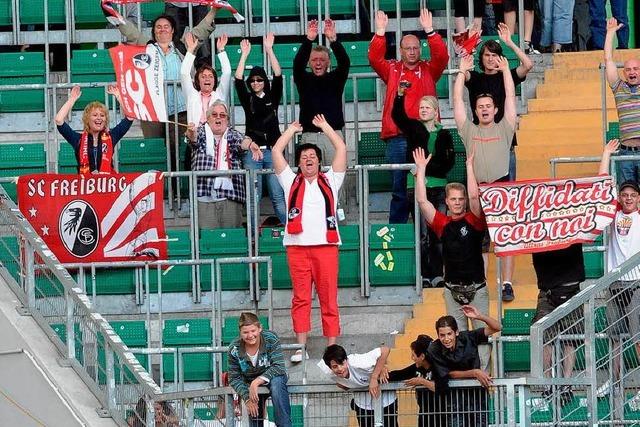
pixel 542 215
pixel 217 4
pixel 94 218
pixel 140 78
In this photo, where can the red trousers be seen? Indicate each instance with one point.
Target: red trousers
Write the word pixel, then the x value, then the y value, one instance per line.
pixel 319 265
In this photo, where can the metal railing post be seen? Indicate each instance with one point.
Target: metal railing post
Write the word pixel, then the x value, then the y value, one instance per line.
pixel 30 279
pixel 110 376
pixel 603 95
pixel 71 333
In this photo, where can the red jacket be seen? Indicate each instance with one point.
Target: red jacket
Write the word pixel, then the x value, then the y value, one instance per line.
pixel 423 78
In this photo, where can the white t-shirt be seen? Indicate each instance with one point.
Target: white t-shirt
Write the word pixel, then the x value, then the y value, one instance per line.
pixel 314 225
pixel 624 242
pixel 360 369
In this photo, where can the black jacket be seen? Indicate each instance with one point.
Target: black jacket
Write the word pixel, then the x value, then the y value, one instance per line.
pixel 418 136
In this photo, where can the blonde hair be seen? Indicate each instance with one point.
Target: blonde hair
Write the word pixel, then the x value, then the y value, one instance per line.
pixel 248 319
pixel 455 186
pixel 87 113
pixel 433 103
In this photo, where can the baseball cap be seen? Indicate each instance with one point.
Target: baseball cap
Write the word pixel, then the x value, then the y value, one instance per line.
pixel 630 184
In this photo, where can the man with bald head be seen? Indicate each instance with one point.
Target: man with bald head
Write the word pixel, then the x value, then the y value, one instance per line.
pixel 627 96
pixel 419 78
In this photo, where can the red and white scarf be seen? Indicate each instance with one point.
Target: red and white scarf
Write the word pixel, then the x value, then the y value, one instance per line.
pixel 296 197
pixel 105 144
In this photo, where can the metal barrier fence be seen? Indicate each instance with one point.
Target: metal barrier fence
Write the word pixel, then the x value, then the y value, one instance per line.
pixel 594 336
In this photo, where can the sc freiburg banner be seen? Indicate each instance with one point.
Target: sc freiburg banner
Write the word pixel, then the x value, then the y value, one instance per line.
pixel 140 78
pixel 96 218
pixel 542 215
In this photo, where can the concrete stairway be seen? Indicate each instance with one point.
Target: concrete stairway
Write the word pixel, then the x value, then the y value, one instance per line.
pixel 563 121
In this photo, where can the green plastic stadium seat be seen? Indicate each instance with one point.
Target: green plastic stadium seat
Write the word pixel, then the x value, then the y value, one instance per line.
pixel 10 256
pixel 517 321
pixel 459 172
pixel 91 66
pixel 371 151
pixel 133 334
pixel 17 69
pixel 205 414
pixel 366 86
pixel 5 13
pixel 188 333
pixel 20 159
pixel 613 131
pixel 516 356
pixel 255 56
pixel 225 243
pixel 392 254
pixel 32 11
pixel 141 155
pixel 270 244
pixel 342 7
pixel 297 415
pixel 112 281
pixel 151 10
pixel 89 12
pixel 277 9
pixel 349 256
pixel 405 5
pixel 67 162
pixel 61 330
pixel 177 278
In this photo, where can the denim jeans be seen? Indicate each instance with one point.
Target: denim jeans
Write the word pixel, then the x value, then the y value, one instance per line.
pixel 397 153
pixel 512 165
pixel 599 22
pixel 628 170
pixel 276 193
pixel 557 22
pixel 280 401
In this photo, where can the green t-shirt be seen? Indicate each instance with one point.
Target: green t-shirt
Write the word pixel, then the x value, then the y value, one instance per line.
pixel 432 182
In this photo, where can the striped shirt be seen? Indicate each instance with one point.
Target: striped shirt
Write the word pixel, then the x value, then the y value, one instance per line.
pixel 269 363
pixel 628 104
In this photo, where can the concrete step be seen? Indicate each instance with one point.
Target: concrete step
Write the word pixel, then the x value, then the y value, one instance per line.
pixel 569 103
pixel 541 139
pixel 565 119
pixel 572 74
pixel 591 59
pixel 555 88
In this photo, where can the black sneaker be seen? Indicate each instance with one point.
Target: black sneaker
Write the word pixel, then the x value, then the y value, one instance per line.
pixel 566 395
pixel 547 393
pixel 507 292
pixel 426 283
pixel 530 50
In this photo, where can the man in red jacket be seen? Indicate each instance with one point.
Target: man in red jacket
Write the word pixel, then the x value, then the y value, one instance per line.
pixel 420 77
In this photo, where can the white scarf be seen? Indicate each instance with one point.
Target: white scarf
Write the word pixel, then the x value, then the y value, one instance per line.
pixel 219 152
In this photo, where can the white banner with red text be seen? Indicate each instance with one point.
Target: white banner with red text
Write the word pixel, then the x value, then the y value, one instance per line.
pixel 140 78
pixel 542 215
pixel 96 218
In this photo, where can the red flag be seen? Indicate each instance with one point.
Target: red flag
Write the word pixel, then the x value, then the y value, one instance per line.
pixel 217 4
pixel 140 78
pixel 465 43
pixel 541 215
pixel 94 218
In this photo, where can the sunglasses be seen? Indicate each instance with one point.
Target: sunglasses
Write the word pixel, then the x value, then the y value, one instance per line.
pixel 220 115
pixel 256 80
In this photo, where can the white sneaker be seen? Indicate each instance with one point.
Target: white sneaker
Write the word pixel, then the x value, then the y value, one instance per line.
pixel 297 356
pixel 634 402
pixel 604 389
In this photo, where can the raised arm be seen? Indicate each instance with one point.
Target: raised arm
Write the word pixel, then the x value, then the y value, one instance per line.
pixel 191 42
pixel 245 50
pixel 277 151
pixel 374 388
pixel 426 207
pixel 526 64
pixel 204 29
pixel 459 109
pixel 378 47
pixel 339 163
pixel 398 113
pixel 472 185
pixel 473 313
pixel 267 43
pixel 302 57
pixel 510 112
pixel 63 112
pixel 437 47
pixel 611 147
pixel 611 68
pixel 225 65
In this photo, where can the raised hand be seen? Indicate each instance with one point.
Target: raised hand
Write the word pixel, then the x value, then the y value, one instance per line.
pixel 245 47
pixel 466 63
pixel 191 42
pixel 312 29
pixel 268 40
pixel 470 311
pixel 504 33
pixel 191 133
pixel 612 25
pixel 612 146
pixel 330 30
pixel 115 91
pixel 419 159
pixel 381 21
pixel 294 127
pixel 221 42
pixel 320 121
pixel 502 63
pixel 75 93
pixel 426 20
